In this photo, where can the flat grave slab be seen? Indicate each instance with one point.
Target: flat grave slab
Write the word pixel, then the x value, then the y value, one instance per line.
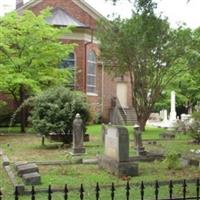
pixel 32 178
pixel 28 168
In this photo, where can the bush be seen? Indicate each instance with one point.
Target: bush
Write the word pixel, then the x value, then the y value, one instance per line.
pixel 195 127
pixel 55 110
pixel 172 161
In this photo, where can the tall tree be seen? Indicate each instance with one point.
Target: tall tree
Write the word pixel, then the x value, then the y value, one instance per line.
pixel 30 52
pixel 147 50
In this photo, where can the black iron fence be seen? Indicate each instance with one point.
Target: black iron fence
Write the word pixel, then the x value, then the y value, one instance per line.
pixel 113 189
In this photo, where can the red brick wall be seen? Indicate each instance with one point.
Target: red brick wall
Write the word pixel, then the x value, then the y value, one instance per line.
pixel 73 10
pixel 101 103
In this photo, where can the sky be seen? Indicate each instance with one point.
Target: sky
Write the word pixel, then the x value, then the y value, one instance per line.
pixel 177 11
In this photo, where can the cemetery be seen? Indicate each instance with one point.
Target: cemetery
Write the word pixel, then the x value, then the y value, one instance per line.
pixel 103 159
pixel 93 107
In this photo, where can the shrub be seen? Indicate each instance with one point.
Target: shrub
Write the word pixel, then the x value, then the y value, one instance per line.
pixel 55 110
pixel 172 161
pixel 195 127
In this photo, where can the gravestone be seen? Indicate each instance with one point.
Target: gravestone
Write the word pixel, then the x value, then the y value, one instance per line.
pixel 77 145
pixel 32 178
pixel 138 141
pixel 116 153
pixel 27 168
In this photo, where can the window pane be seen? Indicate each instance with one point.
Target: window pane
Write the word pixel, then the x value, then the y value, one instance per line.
pixel 69 62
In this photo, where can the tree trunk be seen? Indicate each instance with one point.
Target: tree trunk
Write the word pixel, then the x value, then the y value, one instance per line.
pixel 22 111
pixel 142 123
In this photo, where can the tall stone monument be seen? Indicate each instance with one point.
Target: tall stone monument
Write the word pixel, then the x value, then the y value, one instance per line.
pixel 77 145
pixel 138 141
pixel 116 153
pixel 172 117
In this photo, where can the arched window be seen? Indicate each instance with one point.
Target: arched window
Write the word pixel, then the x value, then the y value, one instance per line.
pixel 91 72
pixel 70 64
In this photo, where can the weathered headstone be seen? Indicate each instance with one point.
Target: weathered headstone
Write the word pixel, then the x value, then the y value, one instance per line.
pixel 77 147
pixel 32 178
pixel 27 168
pixel 138 141
pixel 116 153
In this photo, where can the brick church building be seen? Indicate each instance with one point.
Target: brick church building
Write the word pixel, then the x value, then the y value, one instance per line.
pixel 90 76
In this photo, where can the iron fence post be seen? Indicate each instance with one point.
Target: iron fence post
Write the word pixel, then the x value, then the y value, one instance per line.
pixel 197 184
pixel 127 190
pixel 16 193
pixel 184 189
pixel 171 186
pixel 49 193
pixel 81 192
pixel 142 190
pixel 66 192
pixel 33 193
pixel 113 191
pixel 97 189
pixel 156 190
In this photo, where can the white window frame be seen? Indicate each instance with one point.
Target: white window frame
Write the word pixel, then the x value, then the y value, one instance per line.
pixel 94 63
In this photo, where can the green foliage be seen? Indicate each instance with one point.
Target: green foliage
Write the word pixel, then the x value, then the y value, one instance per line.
pixel 31 52
pixel 55 110
pixel 172 160
pixel 195 127
pixel 145 48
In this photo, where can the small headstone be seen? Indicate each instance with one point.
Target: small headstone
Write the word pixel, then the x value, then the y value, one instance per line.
pixel 28 168
pixel 77 146
pixel 32 178
pixel 138 141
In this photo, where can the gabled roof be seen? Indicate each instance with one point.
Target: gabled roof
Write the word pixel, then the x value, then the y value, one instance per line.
pixel 60 17
pixel 81 3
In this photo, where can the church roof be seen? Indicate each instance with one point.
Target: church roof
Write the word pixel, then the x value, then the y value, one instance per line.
pixel 81 3
pixel 60 17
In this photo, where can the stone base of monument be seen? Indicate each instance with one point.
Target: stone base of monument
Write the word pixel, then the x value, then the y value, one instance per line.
pixel 32 178
pixel 118 168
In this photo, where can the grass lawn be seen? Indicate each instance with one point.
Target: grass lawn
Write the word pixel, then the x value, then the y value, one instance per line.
pixel 28 148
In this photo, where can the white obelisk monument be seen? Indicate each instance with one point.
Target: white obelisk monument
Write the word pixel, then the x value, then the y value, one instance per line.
pixel 172 117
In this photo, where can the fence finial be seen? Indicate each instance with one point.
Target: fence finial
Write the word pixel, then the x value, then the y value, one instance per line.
pixel 81 192
pixel 127 190
pixel 33 193
pixel 184 189
pixel 50 193
pixel 156 189
pixel 97 189
pixel 142 190
pixel 66 192
pixel 16 193
pixel 171 186
pixel 113 191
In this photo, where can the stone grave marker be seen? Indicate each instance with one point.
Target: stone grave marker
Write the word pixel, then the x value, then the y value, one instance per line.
pixel 27 168
pixel 116 153
pixel 78 134
pixel 32 178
